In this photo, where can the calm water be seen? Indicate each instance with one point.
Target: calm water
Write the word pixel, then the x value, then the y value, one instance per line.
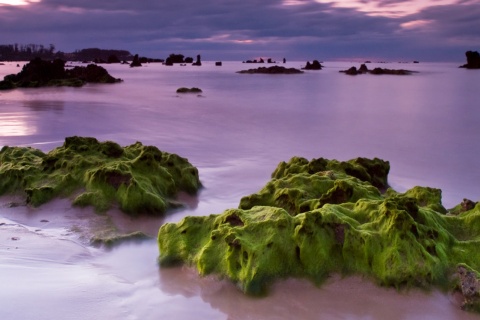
pixel 236 132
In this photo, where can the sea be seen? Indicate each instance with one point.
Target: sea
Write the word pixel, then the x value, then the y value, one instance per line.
pixel 235 132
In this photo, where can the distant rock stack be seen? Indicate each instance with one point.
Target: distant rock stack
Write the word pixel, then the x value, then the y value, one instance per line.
pixel 473 60
pixel 315 65
pixel 135 62
pixel 198 62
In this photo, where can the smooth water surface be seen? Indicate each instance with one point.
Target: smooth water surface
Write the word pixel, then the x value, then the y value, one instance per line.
pixel 235 132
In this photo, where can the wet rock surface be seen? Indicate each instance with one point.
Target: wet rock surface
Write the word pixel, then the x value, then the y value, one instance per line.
pixel 139 179
pixel 321 217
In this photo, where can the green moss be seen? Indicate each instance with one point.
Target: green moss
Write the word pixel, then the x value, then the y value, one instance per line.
pixel 319 217
pixel 141 179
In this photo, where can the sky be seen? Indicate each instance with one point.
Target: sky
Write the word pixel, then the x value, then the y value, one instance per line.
pixel 326 30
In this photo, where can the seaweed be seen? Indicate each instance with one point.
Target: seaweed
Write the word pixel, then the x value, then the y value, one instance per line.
pixel 140 179
pixel 315 218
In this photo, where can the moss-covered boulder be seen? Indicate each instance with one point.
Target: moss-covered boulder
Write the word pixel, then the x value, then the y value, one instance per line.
pixel 301 185
pixel 141 179
pixel 314 219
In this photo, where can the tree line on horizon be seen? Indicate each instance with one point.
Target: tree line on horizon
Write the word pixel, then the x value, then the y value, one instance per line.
pixel 22 52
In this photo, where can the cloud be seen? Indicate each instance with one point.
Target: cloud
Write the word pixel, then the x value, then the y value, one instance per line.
pixel 240 29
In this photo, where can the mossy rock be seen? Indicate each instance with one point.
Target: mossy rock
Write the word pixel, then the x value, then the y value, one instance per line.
pixel 141 179
pixel 301 185
pixel 314 219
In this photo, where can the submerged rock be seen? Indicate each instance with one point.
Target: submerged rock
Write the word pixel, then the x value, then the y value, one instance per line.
pixel 140 179
pixel 319 217
pixel 272 70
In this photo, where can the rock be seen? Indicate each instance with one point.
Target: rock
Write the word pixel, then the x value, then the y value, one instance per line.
pixel 315 65
pixel 473 60
pixel 218 63
pixel 469 285
pixel 198 62
pixel 363 68
pixel 352 71
pixel 188 60
pixel 41 73
pixel 174 58
pixel 272 70
pixel 140 179
pixel 377 71
pixel 136 62
pixel 321 217
pixel 189 90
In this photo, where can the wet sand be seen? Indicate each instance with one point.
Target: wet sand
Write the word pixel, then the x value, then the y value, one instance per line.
pixel 49 271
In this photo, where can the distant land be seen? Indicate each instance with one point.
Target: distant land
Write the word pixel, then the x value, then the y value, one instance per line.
pixel 20 52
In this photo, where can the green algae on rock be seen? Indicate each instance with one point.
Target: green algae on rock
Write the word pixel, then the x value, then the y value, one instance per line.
pixel 141 179
pixel 287 230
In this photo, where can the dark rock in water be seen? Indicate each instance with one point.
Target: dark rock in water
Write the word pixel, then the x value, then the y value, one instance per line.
pixel 352 71
pixel 473 60
pixel 189 90
pixel 377 71
pixel 363 68
pixel 41 73
pixel 174 58
pixel 136 62
pixel 218 63
pixel 188 60
pixel 198 62
pixel 315 65
pixel 272 70
pixel 390 71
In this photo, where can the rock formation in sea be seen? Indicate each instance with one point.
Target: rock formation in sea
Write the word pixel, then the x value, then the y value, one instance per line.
pixel 473 60
pixel 377 71
pixel 136 62
pixel 198 62
pixel 272 70
pixel 315 65
pixel 322 217
pixel 138 179
pixel 189 90
pixel 42 73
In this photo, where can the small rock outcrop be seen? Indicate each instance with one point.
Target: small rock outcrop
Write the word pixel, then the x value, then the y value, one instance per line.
pixel 41 73
pixel 315 65
pixel 272 70
pixel 473 60
pixel 353 71
pixel 198 62
pixel 136 62
pixel 189 90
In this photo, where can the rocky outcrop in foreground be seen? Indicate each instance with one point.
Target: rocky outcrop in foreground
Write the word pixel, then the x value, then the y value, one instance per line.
pixel 353 71
pixel 139 179
pixel 473 60
pixel 321 217
pixel 41 73
pixel 272 70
